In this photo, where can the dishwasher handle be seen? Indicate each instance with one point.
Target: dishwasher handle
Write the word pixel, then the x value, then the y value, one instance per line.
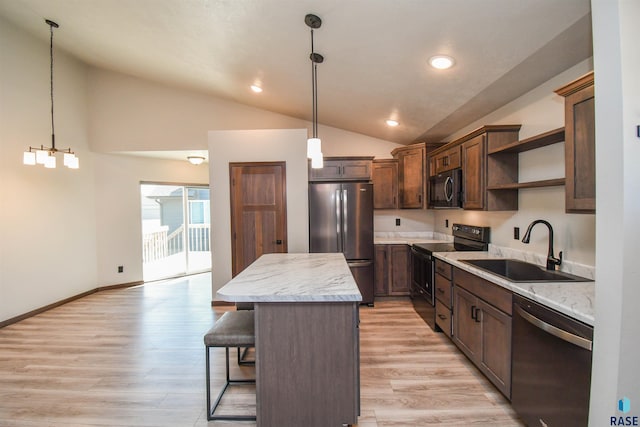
pixel 585 343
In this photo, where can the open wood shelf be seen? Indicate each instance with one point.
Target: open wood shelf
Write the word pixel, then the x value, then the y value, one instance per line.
pixel 532 184
pixel 538 141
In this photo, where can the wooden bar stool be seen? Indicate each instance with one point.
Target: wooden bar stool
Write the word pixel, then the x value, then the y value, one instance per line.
pixel 233 329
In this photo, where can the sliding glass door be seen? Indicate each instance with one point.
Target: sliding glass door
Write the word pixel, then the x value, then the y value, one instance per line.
pixel 175 230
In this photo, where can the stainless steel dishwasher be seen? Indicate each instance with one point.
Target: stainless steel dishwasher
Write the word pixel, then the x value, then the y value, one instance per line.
pixel 551 367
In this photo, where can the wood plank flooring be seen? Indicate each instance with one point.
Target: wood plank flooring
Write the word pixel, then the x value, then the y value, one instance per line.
pixel 135 357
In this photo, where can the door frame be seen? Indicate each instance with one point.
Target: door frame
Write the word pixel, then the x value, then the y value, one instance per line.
pixel 283 164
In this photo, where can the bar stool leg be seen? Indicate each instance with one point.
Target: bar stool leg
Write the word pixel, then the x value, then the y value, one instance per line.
pixel 211 410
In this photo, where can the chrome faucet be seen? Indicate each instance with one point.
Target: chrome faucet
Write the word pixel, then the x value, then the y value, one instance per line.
pixel 551 260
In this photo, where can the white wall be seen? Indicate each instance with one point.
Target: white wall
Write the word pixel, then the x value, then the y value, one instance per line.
pixel 538 111
pixel 47 217
pixel 289 145
pixel 131 114
pixel 117 212
pixel 617 96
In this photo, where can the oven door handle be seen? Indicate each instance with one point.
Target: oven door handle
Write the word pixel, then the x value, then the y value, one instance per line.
pixel 585 343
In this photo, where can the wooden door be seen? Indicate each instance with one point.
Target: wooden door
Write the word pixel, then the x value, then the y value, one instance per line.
pixel 258 211
pixel 473 174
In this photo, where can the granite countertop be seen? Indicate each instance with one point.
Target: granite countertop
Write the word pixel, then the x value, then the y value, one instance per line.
pixel 575 299
pixel 293 277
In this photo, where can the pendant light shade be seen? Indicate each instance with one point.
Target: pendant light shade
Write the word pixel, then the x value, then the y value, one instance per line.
pixel 47 155
pixel 314 144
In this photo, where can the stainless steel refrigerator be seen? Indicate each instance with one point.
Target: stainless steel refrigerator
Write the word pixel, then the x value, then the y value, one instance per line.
pixel 341 220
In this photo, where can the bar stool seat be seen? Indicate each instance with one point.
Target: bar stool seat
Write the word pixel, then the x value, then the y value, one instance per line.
pixel 233 329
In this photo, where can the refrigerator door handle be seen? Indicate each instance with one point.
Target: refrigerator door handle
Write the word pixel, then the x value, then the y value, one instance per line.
pixel 345 220
pixel 338 223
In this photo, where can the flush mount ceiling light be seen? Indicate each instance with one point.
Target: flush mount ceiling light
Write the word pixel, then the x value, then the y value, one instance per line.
pixel 195 160
pixel 392 123
pixel 314 145
pixel 441 62
pixel 256 88
pixel 47 155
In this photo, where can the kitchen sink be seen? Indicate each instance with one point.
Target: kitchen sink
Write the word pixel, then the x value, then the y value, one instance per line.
pixel 520 271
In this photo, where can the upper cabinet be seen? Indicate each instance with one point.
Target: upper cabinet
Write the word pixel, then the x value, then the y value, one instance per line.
pixel 580 147
pixel 385 184
pixel 343 169
pixel 482 172
pixel 445 161
pixel 412 176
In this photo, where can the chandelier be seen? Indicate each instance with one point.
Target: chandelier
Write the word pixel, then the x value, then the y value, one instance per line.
pixel 47 155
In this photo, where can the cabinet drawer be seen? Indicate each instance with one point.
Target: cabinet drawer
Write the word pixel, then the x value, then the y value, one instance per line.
pixel 489 292
pixel 443 268
pixel 443 318
pixel 443 290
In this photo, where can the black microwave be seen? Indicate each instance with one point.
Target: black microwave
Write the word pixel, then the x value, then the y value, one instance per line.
pixel 445 189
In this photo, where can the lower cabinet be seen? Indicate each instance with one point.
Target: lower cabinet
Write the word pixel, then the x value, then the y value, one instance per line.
pixel 482 326
pixel 392 275
pixel 443 297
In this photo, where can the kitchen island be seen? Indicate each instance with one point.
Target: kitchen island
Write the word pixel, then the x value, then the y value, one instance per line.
pixel 307 338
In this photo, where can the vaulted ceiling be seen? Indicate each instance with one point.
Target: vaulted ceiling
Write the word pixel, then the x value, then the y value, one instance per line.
pixel 375 52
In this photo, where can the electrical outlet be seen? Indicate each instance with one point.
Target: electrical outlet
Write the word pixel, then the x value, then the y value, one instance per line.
pixel 516 233
pixel 397 222
pixel 121 269
pixel 446 223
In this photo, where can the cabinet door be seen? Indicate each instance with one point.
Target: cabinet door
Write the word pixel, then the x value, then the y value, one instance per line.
pixel 356 169
pixel 580 151
pixel 473 175
pixel 399 269
pixel 448 160
pixel 381 273
pixel 496 346
pixel 412 178
pixel 330 170
pixel 385 184
pixel 466 327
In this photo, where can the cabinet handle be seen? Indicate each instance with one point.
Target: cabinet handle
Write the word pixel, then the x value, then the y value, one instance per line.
pixel 440 290
pixel 442 316
pixel 419 198
pixel 473 312
pixel 478 318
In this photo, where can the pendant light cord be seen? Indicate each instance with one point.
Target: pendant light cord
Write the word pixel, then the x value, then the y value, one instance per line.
pixel 53 133
pixel 314 91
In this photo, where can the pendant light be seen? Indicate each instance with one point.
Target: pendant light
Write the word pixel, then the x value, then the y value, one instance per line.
pixel 47 155
pixel 314 145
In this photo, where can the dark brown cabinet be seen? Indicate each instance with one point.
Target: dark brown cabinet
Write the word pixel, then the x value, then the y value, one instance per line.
pixel 482 326
pixel 385 184
pixel 443 289
pixel 446 161
pixel 392 270
pixel 580 148
pixel 474 173
pixel 343 169
pixel 411 173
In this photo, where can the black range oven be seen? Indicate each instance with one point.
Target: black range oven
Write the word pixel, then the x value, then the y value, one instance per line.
pixel 465 238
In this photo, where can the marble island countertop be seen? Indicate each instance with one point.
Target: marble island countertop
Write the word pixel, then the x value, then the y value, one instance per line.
pixel 575 299
pixel 293 277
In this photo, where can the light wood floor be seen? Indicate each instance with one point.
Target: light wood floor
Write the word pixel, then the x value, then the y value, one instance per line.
pixel 135 357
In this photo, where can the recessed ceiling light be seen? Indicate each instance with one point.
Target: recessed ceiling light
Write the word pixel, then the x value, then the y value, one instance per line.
pixel 256 88
pixel 392 123
pixel 441 62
